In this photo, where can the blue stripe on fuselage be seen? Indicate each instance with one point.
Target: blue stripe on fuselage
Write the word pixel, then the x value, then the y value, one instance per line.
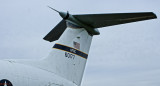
pixel 71 50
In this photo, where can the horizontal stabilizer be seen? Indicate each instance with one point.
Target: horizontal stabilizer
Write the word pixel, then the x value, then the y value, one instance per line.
pixel 56 32
pixel 92 21
pixel 103 20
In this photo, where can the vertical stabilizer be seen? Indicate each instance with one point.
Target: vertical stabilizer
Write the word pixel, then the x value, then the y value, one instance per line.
pixel 69 55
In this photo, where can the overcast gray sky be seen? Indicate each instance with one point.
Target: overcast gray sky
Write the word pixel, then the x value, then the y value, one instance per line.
pixel 123 55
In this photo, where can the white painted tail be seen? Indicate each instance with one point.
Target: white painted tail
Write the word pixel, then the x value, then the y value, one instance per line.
pixel 69 55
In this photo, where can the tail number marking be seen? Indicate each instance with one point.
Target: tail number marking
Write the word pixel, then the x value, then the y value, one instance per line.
pixel 69 55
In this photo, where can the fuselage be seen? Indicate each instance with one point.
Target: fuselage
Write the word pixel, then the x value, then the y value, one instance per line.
pixel 25 75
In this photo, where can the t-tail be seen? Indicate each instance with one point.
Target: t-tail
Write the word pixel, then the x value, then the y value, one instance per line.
pixel 74 35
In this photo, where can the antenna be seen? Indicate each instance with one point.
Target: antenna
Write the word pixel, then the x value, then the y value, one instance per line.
pixel 53 9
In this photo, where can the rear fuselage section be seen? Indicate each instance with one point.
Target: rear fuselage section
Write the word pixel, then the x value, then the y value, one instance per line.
pixel 23 75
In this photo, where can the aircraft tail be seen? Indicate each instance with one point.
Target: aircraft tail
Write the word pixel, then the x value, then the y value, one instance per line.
pixel 74 35
pixel 70 53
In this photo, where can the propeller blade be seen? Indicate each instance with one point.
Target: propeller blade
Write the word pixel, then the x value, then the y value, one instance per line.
pixel 56 32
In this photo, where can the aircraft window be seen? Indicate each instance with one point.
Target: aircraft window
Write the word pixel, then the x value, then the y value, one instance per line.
pixel 73 25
